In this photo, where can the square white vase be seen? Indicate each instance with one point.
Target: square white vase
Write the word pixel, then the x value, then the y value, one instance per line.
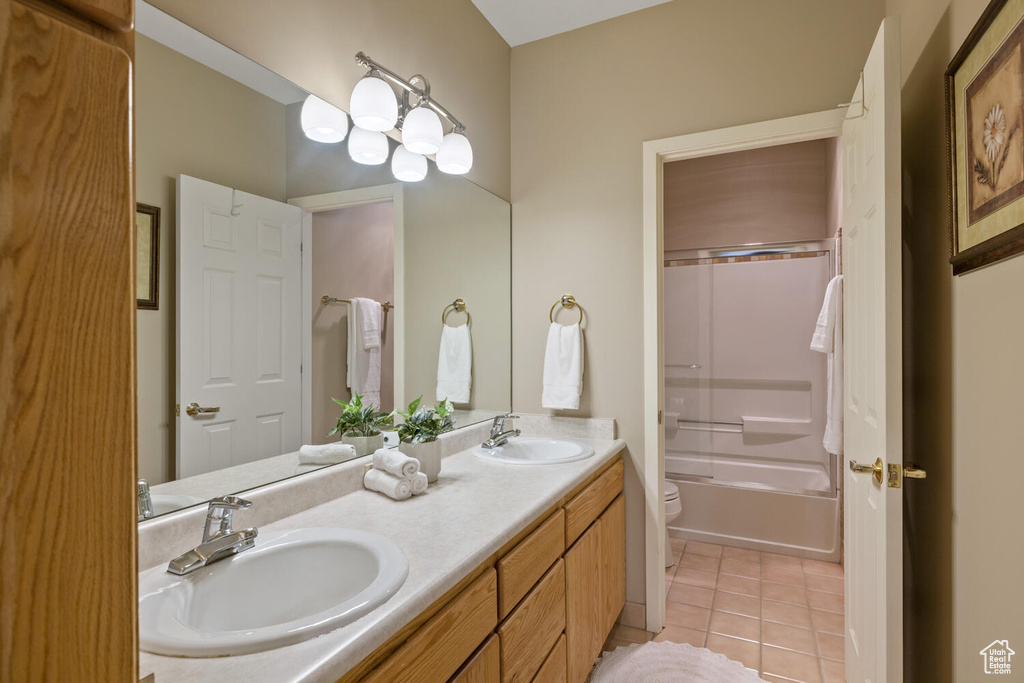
pixel 429 455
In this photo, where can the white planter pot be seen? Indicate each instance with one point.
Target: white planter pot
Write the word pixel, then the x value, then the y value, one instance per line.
pixel 364 445
pixel 429 454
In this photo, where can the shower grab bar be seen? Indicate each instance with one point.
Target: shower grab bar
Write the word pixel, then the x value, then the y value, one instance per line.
pixel 691 366
pixel 726 427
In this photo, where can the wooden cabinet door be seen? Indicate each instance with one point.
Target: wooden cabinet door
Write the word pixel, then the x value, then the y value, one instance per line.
pixel 67 383
pixel 595 588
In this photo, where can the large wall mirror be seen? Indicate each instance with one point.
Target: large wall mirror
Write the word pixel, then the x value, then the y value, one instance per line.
pixel 275 274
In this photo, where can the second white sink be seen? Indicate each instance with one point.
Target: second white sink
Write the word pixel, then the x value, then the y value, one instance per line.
pixel 528 450
pixel 292 586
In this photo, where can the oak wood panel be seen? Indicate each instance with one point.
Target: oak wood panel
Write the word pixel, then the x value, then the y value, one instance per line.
pixel 613 561
pixel 523 566
pixel 115 14
pixel 67 317
pixel 484 666
pixel 583 604
pixel 530 631
pixel 553 668
pixel 582 510
pixel 442 645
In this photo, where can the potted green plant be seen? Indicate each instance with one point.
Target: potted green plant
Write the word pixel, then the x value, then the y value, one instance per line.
pixel 361 425
pixel 419 434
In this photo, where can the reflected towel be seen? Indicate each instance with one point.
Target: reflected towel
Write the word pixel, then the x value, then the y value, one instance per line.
pixel 388 484
pixel 393 461
pixel 363 376
pixel 563 367
pixel 455 364
pixel 828 338
pixel 327 454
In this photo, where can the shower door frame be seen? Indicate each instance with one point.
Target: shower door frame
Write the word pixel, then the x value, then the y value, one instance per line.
pixel 656 153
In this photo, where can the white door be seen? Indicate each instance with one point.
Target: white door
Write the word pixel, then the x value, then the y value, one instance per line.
pixel 239 327
pixel 873 382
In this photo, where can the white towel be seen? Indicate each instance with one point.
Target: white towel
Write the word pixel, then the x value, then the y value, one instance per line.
pixel 828 338
pixel 393 461
pixel 419 483
pixel 388 484
pixel 563 367
pixel 364 325
pixel 327 454
pixel 455 364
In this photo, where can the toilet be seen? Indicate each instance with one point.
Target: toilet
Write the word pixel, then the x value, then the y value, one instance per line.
pixel 673 508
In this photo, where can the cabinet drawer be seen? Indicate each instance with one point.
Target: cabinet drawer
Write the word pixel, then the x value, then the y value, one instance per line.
pixel 553 668
pixel 533 627
pixel 439 647
pixel 523 566
pixel 484 667
pixel 584 508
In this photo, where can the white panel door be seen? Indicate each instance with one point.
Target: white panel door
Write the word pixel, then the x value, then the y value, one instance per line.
pixel 873 358
pixel 239 327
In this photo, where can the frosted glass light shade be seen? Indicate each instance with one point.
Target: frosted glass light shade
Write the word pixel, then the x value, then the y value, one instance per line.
pixel 373 105
pixel 455 155
pixel 367 147
pixel 407 166
pixel 422 132
pixel 322 121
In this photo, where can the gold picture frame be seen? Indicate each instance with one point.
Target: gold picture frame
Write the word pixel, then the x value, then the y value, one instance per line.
pixel 985 140
pixel 147 257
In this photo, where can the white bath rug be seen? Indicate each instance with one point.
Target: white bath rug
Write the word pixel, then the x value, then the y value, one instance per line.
pixel 667 662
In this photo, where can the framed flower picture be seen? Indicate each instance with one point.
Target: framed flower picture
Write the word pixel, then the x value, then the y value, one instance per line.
pixel 985 115
pixel 147 257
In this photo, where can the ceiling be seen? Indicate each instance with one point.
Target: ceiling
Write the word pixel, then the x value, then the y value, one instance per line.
pixel 524 21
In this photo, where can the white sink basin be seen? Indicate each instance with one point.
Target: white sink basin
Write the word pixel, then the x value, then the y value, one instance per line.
pixel 292 586
pixel 526 450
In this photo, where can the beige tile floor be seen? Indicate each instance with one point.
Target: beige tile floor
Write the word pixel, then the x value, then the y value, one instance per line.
pixel 779 615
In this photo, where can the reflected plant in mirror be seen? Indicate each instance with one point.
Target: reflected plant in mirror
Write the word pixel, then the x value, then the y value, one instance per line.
pixel 361 426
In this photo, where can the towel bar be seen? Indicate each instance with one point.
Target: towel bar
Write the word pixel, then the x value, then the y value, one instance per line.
pixel 328 299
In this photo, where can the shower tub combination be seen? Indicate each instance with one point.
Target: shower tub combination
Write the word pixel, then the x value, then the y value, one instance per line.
pixel 745 398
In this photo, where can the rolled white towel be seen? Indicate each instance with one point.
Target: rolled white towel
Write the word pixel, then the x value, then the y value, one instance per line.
pixel 327 454
pixel 388 484
pixel 395 462
pixel 419 483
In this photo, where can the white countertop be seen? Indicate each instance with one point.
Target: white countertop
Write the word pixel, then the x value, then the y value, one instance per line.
pixel 473 509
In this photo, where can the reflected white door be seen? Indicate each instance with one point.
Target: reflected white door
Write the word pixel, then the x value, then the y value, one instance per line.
pixel 239 327
pixel 873 383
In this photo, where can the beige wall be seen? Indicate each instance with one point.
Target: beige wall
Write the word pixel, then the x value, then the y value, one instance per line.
pixel 313 44
pixel 772 194
pixel 457 245
pixel 582 104
pixel 963 390
pixel 189 120
pixel 353 255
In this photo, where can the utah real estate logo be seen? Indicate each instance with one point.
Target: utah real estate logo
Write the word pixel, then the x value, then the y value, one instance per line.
pixel 997 657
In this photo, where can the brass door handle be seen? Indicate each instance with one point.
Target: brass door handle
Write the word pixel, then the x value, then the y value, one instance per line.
pixel 193 409
pixel 875 469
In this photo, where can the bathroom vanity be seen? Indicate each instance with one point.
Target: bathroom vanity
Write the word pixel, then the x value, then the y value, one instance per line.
pixel 516 573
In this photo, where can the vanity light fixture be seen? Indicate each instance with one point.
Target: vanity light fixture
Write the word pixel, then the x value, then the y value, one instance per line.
pixel 375 108
pixel 322 121
pixel 367 146
pixel 407 166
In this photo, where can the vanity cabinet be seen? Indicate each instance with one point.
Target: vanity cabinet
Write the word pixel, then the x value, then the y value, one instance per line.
pixel 538 611
pixel 67 317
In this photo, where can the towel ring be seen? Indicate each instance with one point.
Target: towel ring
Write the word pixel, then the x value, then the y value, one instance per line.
pixel 567 301
pixel 457 306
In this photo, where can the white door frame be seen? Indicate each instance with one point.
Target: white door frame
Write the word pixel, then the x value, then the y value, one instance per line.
pixel 656 153
pixel 311 204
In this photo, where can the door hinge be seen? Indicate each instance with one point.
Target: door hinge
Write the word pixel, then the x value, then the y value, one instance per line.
pixel 177 410
pixel 659 417
pixel 895 479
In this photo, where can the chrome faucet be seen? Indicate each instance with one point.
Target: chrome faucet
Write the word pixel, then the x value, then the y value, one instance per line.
pixel 219 539
pixel 499 435
pixel 145 500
